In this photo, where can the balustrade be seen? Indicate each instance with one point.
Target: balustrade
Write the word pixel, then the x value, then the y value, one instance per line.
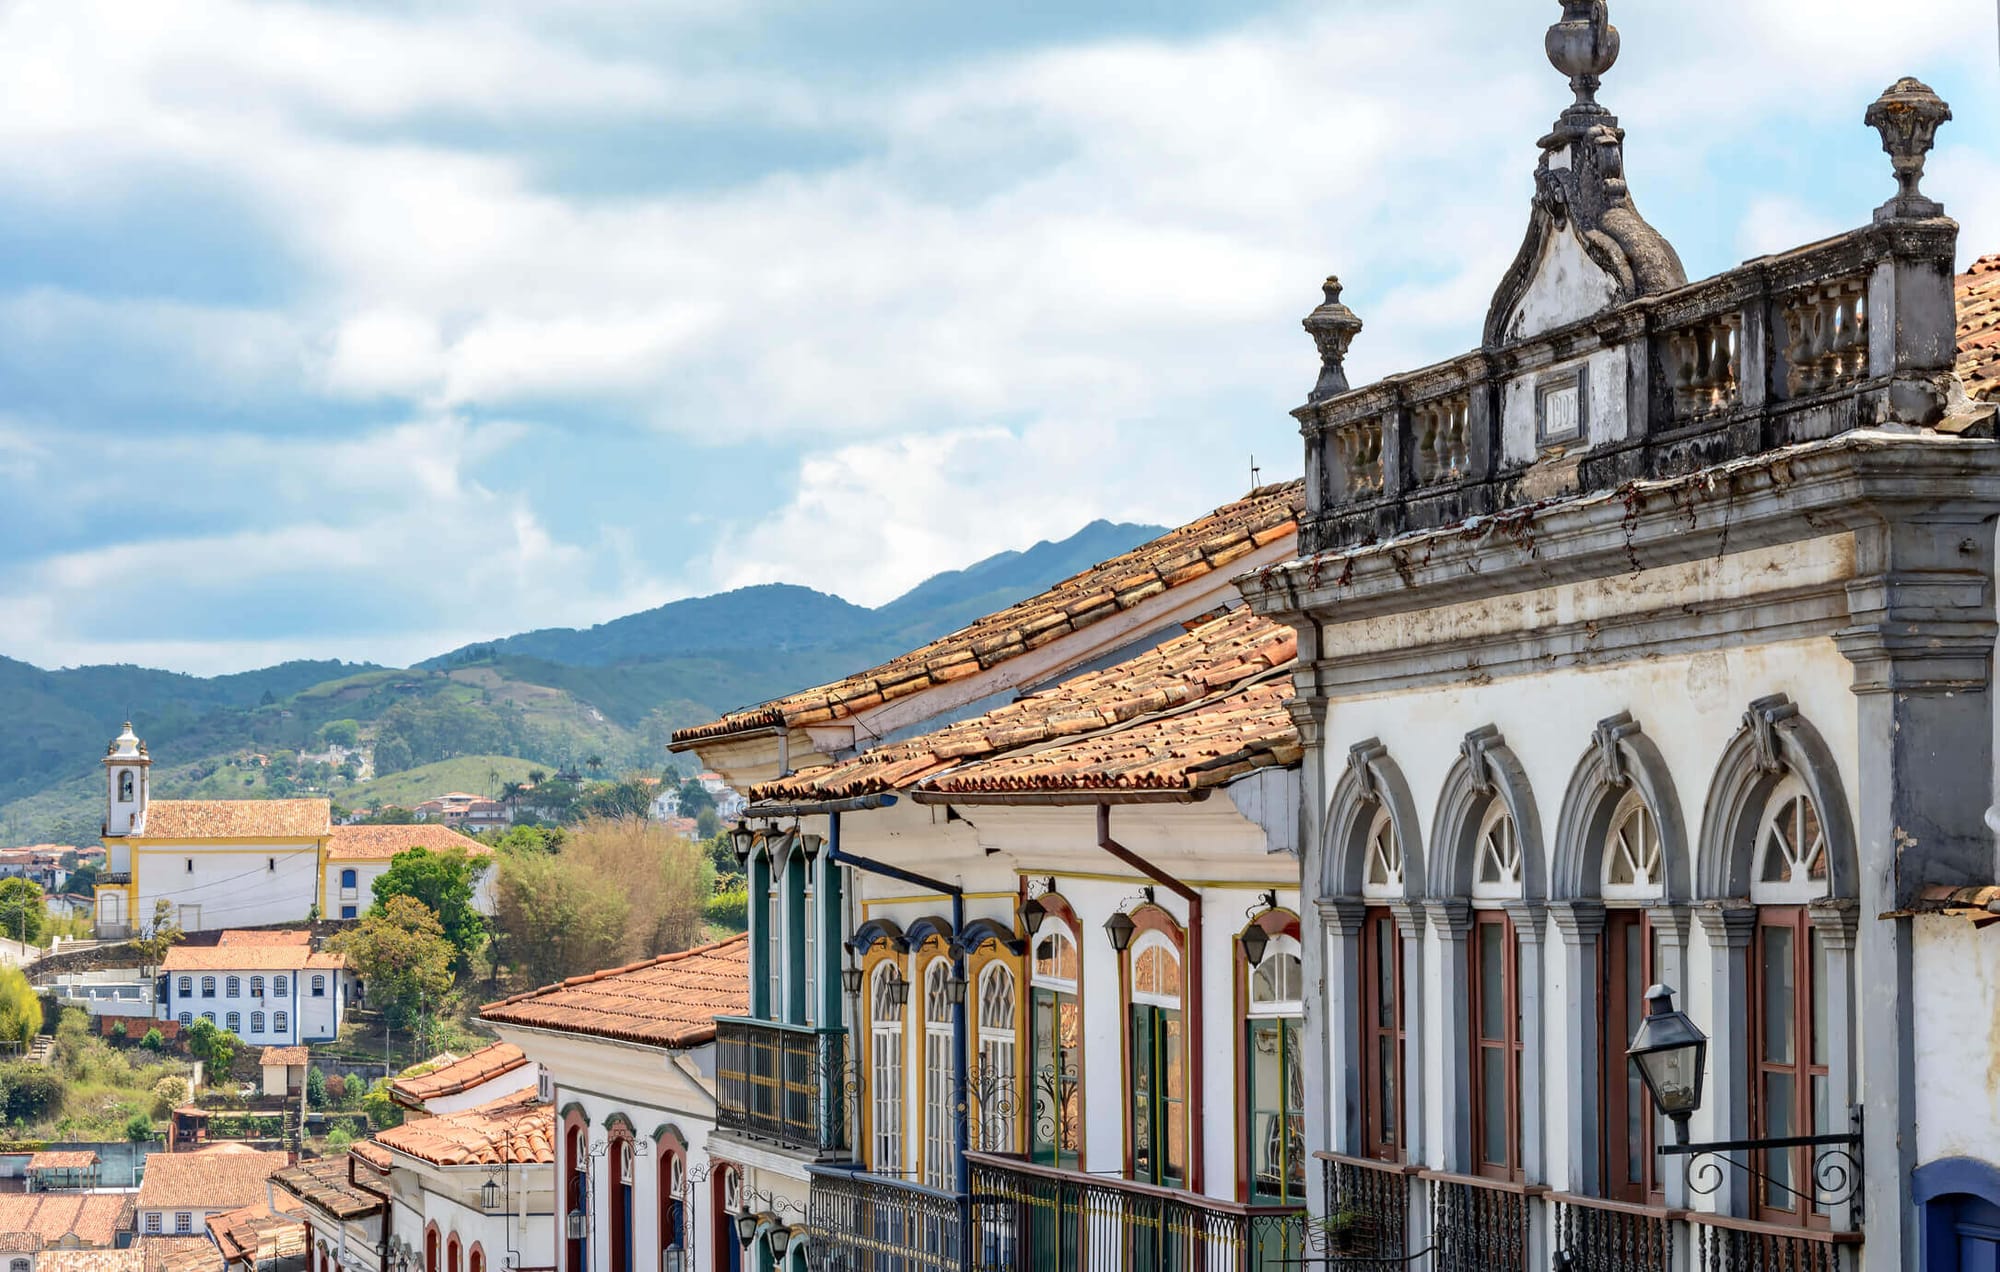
pixel 1722 1244
pixel 861 1222
pixel 1367 1207
pixel 1702 365
pixel 1359 450
pixel 1479 1225
pixel 1443 439
pixel 787 1084
pixel 1595 1235
pixel 1826 336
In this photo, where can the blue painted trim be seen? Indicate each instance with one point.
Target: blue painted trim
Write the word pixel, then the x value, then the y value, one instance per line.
pixel 875 930
pixel 927 927
pixel 979 931
pixel 1955 1176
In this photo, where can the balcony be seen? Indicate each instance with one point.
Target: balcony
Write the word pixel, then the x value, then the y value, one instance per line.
pixel 860 1222
pixel 1480 1225
pixel 1595 1235
pixel 786 1085
pixel 1723 1244
pixel 1027 1218
pixel 1367 1207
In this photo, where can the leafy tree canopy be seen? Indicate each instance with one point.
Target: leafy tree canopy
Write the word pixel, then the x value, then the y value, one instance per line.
pixel 24 914
pixel 400 949
pixel 20 1007
pixel 443 881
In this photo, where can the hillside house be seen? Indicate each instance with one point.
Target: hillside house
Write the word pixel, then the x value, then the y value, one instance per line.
pixel 268 994
pixel 181 1190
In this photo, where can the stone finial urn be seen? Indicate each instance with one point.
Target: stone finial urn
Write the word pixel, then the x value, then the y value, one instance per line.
pixel 1908 114
pixel 1583 46
pixel 1333 327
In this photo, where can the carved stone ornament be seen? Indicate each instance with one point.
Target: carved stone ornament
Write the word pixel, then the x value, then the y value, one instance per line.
pixel 1763 719
pixel 1477 749
pixel 1580 182
pixel 1333 327
pixel 1907 114
pixel 1359 757
pixel 1610 737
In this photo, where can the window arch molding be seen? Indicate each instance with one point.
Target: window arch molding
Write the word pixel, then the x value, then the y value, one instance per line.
pixel 1372 783
pixel 1775 740
pixel 1486 770
pixel 1621 760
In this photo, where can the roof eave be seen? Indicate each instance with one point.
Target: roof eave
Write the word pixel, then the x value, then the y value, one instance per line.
pixel 1064 798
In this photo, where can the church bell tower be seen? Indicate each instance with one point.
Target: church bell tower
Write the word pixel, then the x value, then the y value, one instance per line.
pixel 125 767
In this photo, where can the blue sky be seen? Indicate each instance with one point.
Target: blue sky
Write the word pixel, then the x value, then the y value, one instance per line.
pixel 362 330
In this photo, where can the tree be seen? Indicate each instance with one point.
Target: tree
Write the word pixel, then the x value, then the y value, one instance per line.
pixel 400 950
pixel 169 1093
pixel 382 1111
pixel 346 733
pixel 315 1088
pixel 20 1008
pixel 389 815
pixel 138 1128
pixel 154 1041
pixel 164 933
pixel 593 763
pixel 694 798
pixel 33 1093
pixel 707 824
pixel 24 913
pixel 443 881
pixel 214 1046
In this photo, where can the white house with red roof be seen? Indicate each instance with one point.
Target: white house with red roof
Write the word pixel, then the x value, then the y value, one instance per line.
pixel 271 994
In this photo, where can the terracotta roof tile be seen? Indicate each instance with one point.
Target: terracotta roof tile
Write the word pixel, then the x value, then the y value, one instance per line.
pixel 1978 293
pixel 1181 752
pixel 1201 547
pixel 224 1175
pixel 1215 653
pixel 265 936
pixel 324 1184
pixel 237 819
pixel 380 843
pixel 459 1076
pixel 94 1218
pixel 19 1243
pixel 669 1001
pixel 179 1254
pixel 70 1159
pixel 248 958
pixel 516 1130
pixel 287 1056
pixel 90 1261
pixel 254 1235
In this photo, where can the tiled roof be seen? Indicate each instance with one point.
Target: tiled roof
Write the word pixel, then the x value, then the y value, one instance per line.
pixel 1978 294
pixel 1200 548
pixel 69 1159
pixel 265 936
pixel 515 1130
pixel 380 843
pixel 1214 655
pixel 459 1076
pixel 247 958
pixel 669 1001
pixel 373 1154
pixel 287 1056
pixel 237 819
pixel 324 1184
pixel 19 1243
pixel 222 1177
pixel 90 1261
pixel 179 1254
pixel 95 1218
pixel 1178 753
pixel 254 1235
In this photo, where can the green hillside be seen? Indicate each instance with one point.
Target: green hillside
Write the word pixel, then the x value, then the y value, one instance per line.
pixel 473 774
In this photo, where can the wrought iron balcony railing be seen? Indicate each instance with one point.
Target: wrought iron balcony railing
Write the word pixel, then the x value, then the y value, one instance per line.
pixel 1723 1244
pixel 861 1222
pixel 788 1085
pixel 1480 1225
pixel 1366 1214
pixel 1028 1218
pixel 1595 1235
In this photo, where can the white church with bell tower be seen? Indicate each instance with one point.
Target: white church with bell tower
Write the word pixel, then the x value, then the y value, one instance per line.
pixel 126 770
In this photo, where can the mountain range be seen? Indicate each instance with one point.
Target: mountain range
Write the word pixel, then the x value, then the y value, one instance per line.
pixel 555 696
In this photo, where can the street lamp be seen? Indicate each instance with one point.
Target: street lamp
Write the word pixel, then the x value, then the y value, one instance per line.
pixel 850 980
pixel 954 987
pixel 898 987
pixel 780 1237
pixel 1032 914
pixel 809 845
pixel 1255 941
pixel 673 1259
pixel 1671 1055
pixel 578 1223
pixel 746 1227
pixel 1120 927
pixel 742 839
pixel 489 1196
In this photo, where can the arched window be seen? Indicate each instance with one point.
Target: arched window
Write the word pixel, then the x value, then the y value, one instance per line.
pixel 476 1261
pixel 729 1203
pixel 1382 866
pixel 995 1081
pixel 451 1250
pixel 186 1018
pixel 318 985
pixel 232 987
pixel 1791 1047
pixel 1274 1072
pixel 1158 1077
pixel 280 987
pixel 809 947
pixel 576 1194
pixel 209 1016
pixel 124 794
pixel 624 1169
pixel 233 1022
pixel 1631 879
pixel 256 987
pixel 1494 1004
pixel 347 879
pixel 256 1022
pixel 673 1199
pixel 885 1052
pixel 1055 1046
pixel 187 987
pixel 431 1250
pixel 208 987
pixel 280 1022
pixel 939 1168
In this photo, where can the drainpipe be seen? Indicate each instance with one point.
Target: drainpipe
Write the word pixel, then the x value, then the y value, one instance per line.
pixel 960 1074
pixel 1197 1036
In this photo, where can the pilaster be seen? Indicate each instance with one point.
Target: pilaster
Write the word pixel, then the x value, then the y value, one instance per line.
pixel 1581 924
pixel 1451 919
pixel 1728 926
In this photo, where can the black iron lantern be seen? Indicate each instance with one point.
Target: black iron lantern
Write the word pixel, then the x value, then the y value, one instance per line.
pixel 899 988
pixel 1255 941
pixel 489 1196
pixel 1120 927
pixel 578 1223
pixel 673 1259
pixel 1672 1055
pixel 850 980
pixel 809 845
pixel 746 1228
pixel 742 839
pixel 780 1238
pixel 954 987
pixel 1032 914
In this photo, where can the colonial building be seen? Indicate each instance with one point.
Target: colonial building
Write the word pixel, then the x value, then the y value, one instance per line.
pixel 238 863
pixel 343 1217
pixel 630 1055
pixel 181 1190
pixel 462 1082
pixel 267 993
pixel 1650 643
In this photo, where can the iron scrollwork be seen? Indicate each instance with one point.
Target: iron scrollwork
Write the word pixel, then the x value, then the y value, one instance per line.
pixel 1834 1171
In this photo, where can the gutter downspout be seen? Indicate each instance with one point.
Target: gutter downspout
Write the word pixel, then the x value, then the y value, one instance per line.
pixel 388 1213
pixel 1197 1032
pixel 960 1068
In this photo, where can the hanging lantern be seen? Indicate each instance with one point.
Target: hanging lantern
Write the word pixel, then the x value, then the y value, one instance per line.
pixel 1120 927
pixel 1255 941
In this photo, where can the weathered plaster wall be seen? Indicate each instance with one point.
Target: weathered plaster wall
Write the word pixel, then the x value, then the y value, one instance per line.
pixel 1957 1012
pixel 1566 285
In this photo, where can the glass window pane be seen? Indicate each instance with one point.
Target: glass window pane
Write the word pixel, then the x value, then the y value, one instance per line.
pixel 1778 995
pixel 1492 998
pixel 1779 1093
pixel 1385 973
pixel 1385 1084
pixel 1173 1080
pixel 1493 1105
